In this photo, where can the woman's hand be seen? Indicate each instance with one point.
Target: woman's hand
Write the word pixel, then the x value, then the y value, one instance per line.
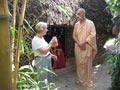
pixel 54 42
pixel 54 57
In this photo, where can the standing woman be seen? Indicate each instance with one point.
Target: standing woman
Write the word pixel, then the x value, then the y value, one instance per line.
pixel 41 51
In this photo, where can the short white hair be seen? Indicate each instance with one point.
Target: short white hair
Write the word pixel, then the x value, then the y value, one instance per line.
pixel 81 10
pixel 41 26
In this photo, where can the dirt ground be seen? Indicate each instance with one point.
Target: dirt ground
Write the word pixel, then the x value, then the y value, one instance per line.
pixel 66 78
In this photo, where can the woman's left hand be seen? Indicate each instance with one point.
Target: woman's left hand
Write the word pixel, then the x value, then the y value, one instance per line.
pixel 54 57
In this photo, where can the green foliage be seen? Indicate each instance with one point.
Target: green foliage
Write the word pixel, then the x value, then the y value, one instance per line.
pixel 24 45
pixel 113 62
pixel 114 58
pixel 12 31
pixel 41 4
pixel 30 29
pixel 27 30
pixel 64 10
pixel 64 7
pixel 28 78
pixel 114 6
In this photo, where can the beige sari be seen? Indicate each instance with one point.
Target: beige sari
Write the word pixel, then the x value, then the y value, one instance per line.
pixel 85 32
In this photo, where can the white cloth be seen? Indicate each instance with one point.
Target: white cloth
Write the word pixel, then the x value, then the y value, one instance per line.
pixel 39 43
pixel 110 44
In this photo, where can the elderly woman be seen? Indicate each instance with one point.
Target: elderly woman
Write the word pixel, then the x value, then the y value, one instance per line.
pixel 41 51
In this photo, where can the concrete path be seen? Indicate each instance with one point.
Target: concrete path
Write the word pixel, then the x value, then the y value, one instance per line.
pixel 66 78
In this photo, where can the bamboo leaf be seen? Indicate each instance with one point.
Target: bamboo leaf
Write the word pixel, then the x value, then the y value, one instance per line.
pixel 63 6
pixel 63 11
pixel 37 87
pixel 24 28
pixel 12 31
pixel 25 74
pixel 41 4
pixel 46 82
pixel 26 86
pixel 29 26
pixel 24 67
pixel 32 69
pixel 38 74
pixel 22 82
pixel 33 82
pixel 49 71
pixel 22 46
pixel 26 47
pixel 34 63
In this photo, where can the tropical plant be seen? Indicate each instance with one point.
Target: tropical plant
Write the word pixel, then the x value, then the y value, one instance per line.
pixel 114 7
pixel 113 65
pixel 28 78
pixel 113 61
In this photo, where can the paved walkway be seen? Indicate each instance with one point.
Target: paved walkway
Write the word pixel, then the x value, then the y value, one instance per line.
pixel 66 78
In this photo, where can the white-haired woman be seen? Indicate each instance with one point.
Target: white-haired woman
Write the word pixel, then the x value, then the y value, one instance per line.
pixel 41 51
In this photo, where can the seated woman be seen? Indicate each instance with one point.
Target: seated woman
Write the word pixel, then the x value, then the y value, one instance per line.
pixel 60 62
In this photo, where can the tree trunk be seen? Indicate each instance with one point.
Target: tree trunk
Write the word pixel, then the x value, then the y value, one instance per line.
pixel 5 62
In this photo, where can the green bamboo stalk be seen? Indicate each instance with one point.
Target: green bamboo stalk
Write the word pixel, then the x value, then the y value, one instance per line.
pixel 13 39
pixel 17 56
pixel 14 14
pixel 5 62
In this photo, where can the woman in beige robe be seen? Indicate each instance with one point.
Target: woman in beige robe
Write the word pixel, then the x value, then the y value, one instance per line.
pixel 85 48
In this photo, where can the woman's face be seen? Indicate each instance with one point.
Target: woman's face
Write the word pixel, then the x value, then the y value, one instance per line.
pixel 44 31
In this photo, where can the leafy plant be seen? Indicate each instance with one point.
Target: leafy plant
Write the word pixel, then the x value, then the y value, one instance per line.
pixel 114 7
pixel 63 10
pixel 28 78
pixel 12 30
pixel 113 62
pixel 114 58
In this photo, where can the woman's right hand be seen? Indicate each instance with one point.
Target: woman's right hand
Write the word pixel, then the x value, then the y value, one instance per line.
pixel 54 42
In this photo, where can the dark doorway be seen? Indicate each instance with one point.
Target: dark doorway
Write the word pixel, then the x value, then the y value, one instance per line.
pixel 64 35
